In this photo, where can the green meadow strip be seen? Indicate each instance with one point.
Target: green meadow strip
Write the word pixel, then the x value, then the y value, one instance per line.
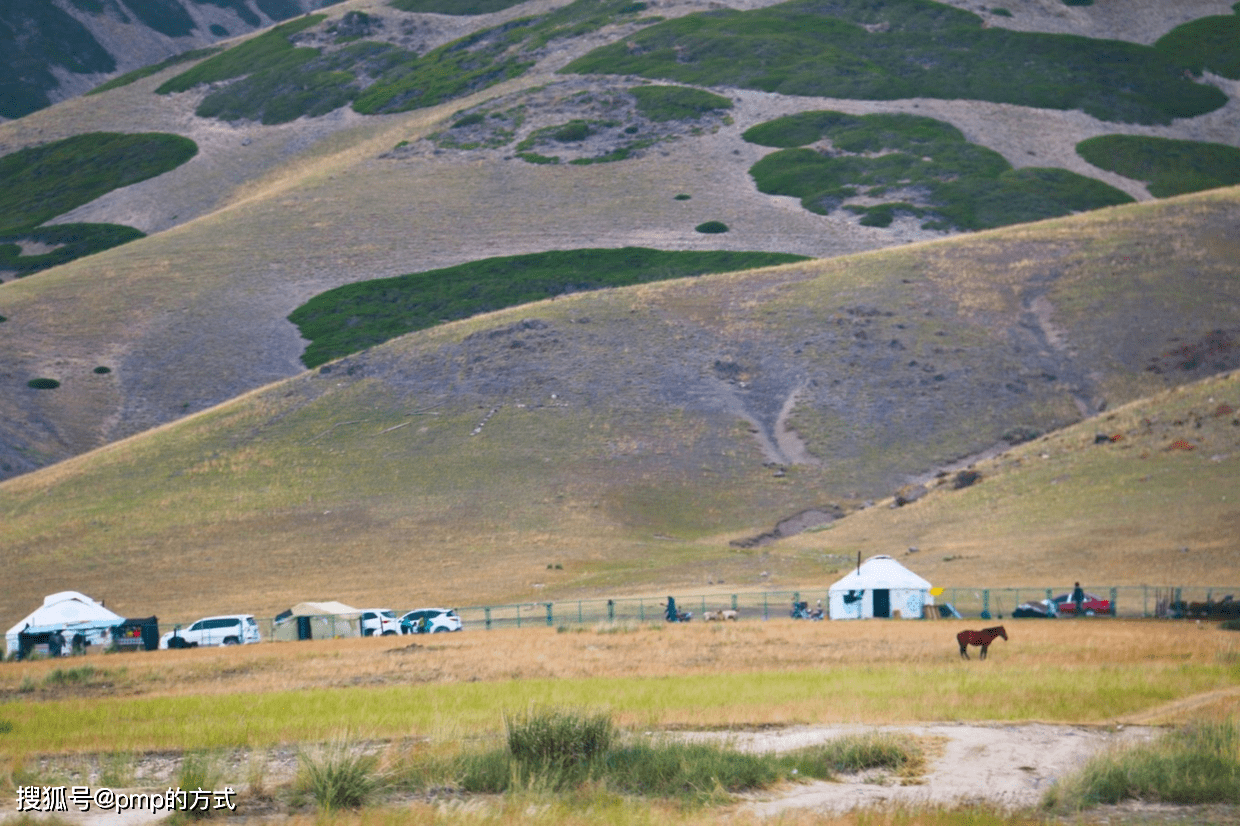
pixel 894 693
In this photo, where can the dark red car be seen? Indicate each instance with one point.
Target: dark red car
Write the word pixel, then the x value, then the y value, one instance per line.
pixel 1092 605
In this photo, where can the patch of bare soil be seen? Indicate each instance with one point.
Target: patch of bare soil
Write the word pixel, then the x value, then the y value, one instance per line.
pixel 996 765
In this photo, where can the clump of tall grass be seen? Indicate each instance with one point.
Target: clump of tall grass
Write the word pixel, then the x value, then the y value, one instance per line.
pixel 199 770
pixel 339 775
pixel 872 750
pixel 117 769
pixel 559 737
pixel 80 675
pixel 1196 764
pixel 545 750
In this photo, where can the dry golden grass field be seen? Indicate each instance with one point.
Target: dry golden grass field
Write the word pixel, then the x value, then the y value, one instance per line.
pixel 1070 686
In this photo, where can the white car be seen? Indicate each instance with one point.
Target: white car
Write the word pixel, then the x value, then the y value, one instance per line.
pixel 234 629
pixel 437 620
pixel 379 622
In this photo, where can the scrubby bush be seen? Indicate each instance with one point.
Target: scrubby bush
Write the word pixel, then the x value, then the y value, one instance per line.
pixel 575 130
pixel 922 49
pixel 1168 166
pixel 339 775
pixel 665 103
pixel 1206 44
pixel 557 750
pixel 42 182
pixel 947 181
pixel 1193 765
pixel 199 770
pixel 43 384
pixel 712 227
pixel 355 316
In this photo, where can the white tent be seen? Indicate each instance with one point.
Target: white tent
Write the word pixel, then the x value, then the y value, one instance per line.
pixel 66 611
pixel 879 587
pixel 319 621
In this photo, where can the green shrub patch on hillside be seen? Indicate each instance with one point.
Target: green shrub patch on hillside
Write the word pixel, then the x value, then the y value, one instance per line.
pixel 865 50
pixel 357 316
pixel 595 121
pixel 1206 44
pixel 42 182
pixel 155 68
pixel 453 6
pixel 1168 166
pixel 65 242
pixel 273 80
pixel 663 103
pixel 912 165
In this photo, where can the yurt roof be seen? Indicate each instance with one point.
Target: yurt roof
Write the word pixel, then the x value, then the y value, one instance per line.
pixel 880 572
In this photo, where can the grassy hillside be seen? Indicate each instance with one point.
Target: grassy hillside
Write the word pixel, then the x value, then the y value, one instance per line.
pixel 266 216
pixel 617 441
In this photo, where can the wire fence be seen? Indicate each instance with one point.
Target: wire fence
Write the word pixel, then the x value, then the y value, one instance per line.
pixel 1133 602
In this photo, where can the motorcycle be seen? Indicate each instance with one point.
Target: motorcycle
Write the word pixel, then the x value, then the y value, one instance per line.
pixel 800 610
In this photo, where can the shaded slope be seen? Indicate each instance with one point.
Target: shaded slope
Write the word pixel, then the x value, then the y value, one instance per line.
pixel 51 52
pixel 628 434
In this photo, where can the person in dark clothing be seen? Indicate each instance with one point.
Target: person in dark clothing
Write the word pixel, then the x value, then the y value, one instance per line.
pixel 1078 597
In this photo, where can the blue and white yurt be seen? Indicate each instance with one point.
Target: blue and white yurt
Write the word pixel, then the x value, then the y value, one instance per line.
pixel 879 587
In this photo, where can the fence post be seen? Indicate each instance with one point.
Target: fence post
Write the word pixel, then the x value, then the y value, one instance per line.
pixel 579 619
pixel 1114 593
pixel 641 610
pixel 766 611
pixel 550 621
pixel 611 610
pixel 986 603
pixel 487 612
pixel 734 602
pixel 518 616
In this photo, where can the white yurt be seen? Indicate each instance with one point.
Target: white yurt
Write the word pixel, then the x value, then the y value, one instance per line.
pixel 879 587
pixel 69 612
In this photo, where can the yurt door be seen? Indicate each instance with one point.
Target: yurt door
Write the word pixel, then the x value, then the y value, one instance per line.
pixel 882 602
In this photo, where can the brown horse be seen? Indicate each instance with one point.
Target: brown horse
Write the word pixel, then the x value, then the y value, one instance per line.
pixel 983 638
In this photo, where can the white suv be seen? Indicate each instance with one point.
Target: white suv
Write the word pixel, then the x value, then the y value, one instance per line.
pixel 436 621
pixel 379 622
pixel 235 629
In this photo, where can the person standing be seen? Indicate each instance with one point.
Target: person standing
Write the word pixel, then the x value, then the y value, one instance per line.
pixel 1078 597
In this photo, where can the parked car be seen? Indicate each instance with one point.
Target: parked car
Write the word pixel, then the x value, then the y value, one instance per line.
pixel 1093 604
pixel 437 620
pixel 1042 609
pixel 379 622
pixel 234 629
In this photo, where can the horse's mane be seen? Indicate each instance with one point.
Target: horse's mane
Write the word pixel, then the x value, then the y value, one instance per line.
pixel 995 630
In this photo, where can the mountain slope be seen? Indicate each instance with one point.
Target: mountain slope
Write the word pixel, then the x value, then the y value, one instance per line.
pixel 265 217
pixel 630 435
pixel 54 51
